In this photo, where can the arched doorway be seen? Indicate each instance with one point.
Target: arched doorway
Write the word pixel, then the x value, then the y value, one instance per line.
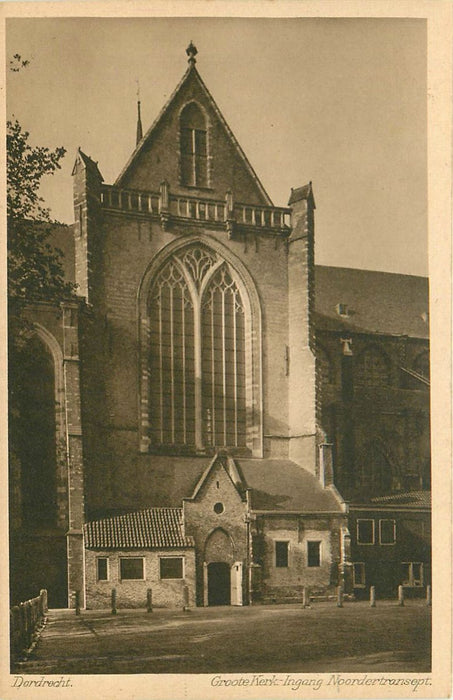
pixel 219 583
pixel 218 560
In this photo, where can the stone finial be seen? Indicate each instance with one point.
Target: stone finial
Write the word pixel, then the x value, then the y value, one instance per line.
pixel 192 51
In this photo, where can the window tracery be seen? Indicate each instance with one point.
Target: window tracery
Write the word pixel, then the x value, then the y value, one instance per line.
pixel 197 353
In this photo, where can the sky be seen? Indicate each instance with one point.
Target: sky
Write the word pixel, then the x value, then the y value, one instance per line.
pixel 340 102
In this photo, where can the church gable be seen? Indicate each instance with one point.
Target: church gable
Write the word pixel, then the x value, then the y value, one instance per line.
pixel 192 148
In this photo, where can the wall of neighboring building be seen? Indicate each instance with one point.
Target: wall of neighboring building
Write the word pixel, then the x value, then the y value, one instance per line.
pixel 166 593
pixel 385 417
pixel 46 530
pixel 385 563
pixel 286 582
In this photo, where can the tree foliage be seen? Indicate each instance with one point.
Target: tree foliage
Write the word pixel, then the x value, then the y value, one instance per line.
pixel 35 270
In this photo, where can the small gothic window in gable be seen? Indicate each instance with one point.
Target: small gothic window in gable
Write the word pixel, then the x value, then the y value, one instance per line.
pixel 194 148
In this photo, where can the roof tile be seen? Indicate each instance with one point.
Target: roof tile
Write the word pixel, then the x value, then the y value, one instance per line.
pixel 153 528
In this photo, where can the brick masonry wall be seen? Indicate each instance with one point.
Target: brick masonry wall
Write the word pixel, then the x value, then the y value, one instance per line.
pixel 397 414
pixel 111 363
pixel 159 158
pixel 201 521
pixel 166 593
pixel 297 531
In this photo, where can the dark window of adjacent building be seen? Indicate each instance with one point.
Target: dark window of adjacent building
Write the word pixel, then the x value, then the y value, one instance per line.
pixel 421 364
pixel 412 574
pixel 102 569
pixel 314 553
pixel 171 567
pixel 387 531
pixel 372 368
pixel 194 148
pixel 365 531
pixel 358 574
pixel 377 474
pixel 281 554
pixel 131 568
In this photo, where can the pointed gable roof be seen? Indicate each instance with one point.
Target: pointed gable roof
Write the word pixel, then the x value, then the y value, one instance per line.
pixel 90 165
pixel 228 464
pixel 234 171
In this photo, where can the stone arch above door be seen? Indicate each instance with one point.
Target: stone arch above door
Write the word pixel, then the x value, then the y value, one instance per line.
pixel 219 547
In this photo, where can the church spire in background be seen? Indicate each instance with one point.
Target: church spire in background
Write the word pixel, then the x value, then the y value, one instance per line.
pixel 139 117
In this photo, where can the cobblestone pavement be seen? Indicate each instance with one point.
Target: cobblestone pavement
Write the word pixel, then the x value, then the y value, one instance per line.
pixel 274 638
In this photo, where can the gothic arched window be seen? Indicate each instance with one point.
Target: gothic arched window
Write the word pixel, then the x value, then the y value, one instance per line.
pixel 194 147
pixel 421 364
pixel 35 441
pixel 379 475
pixel 372 368
pixel 199 353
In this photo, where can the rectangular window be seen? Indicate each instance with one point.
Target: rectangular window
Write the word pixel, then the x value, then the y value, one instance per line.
pixel 365 531
pixel 102 569
pixel 281 554
pixel 412 574
pixel 314 553
pixel 358 574
pixel 131 568
pixel 387 531
pixel 171 567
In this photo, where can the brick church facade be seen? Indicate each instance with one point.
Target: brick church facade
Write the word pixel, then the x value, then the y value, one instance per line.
pixel 212 415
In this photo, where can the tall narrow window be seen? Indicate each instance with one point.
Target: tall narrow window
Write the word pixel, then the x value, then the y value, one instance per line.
pixel 198 359
pixel 172 409
pixel 193 144
pixel 223 362
pixel 281 554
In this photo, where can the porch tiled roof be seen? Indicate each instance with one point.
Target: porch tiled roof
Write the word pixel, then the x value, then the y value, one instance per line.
pixel 153 528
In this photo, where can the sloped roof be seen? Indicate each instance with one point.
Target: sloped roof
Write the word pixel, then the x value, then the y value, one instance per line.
pixel 378 302
pixel 304 192
pixel 153 528
pixel 409 498
pixel 229 465
pixel 89 163
pixel 282 485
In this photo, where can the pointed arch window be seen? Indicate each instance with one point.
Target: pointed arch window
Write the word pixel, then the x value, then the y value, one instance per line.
pixel 200 353
pixel 373 368
pixel 194 147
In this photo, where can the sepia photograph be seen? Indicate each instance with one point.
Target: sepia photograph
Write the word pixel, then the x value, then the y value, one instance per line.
pixel 219 386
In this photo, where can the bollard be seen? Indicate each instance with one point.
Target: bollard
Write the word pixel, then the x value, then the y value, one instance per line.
pixel 149 600
pixel 428 595
pixel 372 597
pixel 77 602
pixel 113 601
pixel 400 595
pixel 340 597
pixel 185 593
pixel 305 598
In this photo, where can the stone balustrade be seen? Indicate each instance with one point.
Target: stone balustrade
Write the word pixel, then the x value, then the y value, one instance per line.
pixel 171 206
